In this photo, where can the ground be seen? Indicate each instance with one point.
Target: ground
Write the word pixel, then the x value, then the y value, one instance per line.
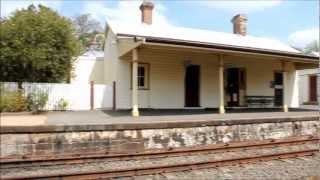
pixel 290 168
pixel 298 168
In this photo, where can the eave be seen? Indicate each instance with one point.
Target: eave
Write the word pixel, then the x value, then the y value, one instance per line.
pixel 227 48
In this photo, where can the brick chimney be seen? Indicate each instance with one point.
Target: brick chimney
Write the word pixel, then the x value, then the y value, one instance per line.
pixel 240 24
pixel 146 12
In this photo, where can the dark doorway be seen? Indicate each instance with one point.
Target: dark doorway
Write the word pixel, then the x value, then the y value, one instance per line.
pixel 192 86
pixel 278 89
pixel 313 88
pixel 233 86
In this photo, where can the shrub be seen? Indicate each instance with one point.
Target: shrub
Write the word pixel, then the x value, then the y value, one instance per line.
pixel 37 101
pixel 13 101
pixel 62 104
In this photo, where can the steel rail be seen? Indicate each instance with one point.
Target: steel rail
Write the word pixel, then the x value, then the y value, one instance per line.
pixel 154 152
pixel 168 168
pixel 153 155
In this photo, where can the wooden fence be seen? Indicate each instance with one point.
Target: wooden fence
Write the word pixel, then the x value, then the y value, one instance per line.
pixel 78 96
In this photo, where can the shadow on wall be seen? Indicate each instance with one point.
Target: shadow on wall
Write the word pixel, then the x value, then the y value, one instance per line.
pixel 88 68
pixel 97 72
pixel 107 98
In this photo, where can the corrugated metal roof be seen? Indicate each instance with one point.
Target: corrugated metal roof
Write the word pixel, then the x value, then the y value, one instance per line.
pixel 199 35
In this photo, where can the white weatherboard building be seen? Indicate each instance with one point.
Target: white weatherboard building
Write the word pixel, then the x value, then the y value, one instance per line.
pixel 86 90
pixel 309 85
pixel 174 67
pixel 89 67
pixel 309 90
pixel 167 67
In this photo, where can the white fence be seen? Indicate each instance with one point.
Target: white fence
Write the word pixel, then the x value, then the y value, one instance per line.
pixel 77 95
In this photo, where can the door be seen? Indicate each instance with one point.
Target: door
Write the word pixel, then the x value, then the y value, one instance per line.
pixel 242 86
pixel 278 89
pixel 313 88
pixel 192 86
pixel 233 87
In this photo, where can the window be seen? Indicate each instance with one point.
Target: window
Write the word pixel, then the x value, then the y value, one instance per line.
pixel 143 76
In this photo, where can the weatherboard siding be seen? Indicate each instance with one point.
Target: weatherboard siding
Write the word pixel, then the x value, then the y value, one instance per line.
pixel 88 69
pixel 304 84
pixel 110 58
pixel 167 73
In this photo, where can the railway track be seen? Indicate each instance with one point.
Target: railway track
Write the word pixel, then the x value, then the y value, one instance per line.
pixel 156 169
pixel 80 157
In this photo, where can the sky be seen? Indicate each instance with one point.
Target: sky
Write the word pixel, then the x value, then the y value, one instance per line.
pixel 295 22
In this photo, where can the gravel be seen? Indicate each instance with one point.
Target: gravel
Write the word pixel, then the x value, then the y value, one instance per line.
pixel 294 168
pixel 277 169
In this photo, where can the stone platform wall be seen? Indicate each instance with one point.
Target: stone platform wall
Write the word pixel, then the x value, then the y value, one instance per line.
pixel 93 140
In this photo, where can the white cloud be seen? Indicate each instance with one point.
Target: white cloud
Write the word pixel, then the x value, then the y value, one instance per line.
pixel 302 38
pixel 9 6
pixel 242 6
pixel 125 11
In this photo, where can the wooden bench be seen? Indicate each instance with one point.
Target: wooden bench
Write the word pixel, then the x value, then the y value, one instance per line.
pixel 259 101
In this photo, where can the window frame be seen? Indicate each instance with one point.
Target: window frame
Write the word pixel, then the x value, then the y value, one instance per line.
pixel 146 76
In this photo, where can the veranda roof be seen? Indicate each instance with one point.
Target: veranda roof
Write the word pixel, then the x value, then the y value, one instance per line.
pixel 205 38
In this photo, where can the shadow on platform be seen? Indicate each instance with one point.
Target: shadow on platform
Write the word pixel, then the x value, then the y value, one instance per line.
pixel 173 112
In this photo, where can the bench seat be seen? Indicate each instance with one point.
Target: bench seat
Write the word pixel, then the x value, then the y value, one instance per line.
pixel 259 101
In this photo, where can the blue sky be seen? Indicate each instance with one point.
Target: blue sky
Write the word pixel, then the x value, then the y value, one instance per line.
pixel 295 22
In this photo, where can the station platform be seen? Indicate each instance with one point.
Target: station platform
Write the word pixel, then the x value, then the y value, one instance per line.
pixel 149 119
pixel 58 134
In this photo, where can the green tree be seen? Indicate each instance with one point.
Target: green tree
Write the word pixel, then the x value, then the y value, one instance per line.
pixel 37 45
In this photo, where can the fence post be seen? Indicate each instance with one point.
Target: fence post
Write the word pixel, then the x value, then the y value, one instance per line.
pixel 114 105
pixel 91 95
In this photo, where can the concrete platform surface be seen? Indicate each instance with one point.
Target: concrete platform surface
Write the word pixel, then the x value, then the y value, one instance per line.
pixel 109 117
pixel 111 120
